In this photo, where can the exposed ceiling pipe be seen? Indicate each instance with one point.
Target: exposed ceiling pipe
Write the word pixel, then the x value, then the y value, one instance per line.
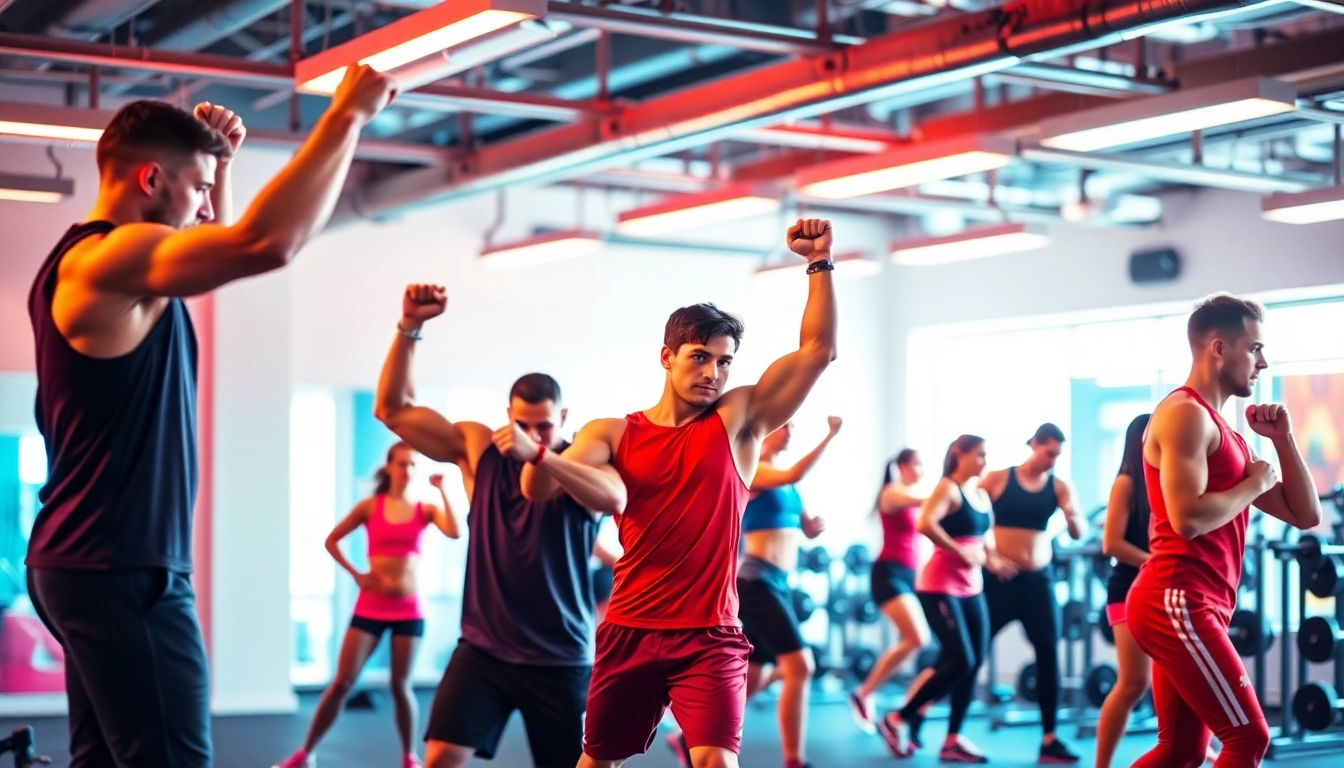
pixel 1173 172
pixel 952 48
pixel 92 19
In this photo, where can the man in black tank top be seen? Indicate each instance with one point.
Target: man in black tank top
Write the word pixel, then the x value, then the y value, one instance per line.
pixel 109 558
pixel 1026 499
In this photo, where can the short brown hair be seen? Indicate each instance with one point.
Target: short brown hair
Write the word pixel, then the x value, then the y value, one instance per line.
pixel 144 128
pixel 1222 313
pixel 535 389
pixel 699 323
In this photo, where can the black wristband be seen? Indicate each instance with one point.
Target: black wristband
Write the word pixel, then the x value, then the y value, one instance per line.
pixel 823 265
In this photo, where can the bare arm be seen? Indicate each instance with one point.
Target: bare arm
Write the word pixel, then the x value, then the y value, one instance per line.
pixel 357 517
pixel 787 382
pixel 1113 541
pixel 583 471
pixel 995 483
pixel 1294 499
pixel 896 496
pixel 1064 498
pixel 144 259
pixel 1182 432
pixel 767 476
pixel 231 126
pixel 444 519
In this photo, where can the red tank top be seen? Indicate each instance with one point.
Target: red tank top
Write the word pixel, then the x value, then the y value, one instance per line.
pixel 1207 566
pixel 680 528
pixel 899 534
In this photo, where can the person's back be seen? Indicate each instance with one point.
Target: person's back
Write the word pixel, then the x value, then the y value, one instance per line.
pixel 110 552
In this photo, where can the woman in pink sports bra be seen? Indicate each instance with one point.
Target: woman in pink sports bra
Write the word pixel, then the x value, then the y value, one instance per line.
pixel 388 598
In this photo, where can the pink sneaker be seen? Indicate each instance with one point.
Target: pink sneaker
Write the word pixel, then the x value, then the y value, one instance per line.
pixel 412 761
pixel 299 759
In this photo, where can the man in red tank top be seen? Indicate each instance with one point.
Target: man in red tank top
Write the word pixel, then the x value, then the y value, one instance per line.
pixel 678 475
pixel 1202 478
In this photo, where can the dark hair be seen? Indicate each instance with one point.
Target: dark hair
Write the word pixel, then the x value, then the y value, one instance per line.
pixel 959 447
pixel 1047 433
pixel 699 323
pixel 906 456
pixel 1222 313
pixel 382 480
pixel 144 128
pixel 1131 465
pixel 535 389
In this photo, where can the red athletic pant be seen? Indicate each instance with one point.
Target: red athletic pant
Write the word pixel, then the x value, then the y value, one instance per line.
pixel 1199 683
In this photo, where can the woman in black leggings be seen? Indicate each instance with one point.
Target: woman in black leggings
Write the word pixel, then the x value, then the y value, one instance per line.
pixel 957 518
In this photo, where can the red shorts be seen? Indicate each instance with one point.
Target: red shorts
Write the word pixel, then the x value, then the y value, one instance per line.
pixel 702 673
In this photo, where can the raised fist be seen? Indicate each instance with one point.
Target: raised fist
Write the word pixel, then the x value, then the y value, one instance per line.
pixel 422 302
pixel 834 423
pixel 224 121
pixel 810 238
pixel 1269 420
pixel 363 92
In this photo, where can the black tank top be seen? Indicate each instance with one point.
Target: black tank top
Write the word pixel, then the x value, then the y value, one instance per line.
pixel 1016 508
pixel 120 437
pixel 966 521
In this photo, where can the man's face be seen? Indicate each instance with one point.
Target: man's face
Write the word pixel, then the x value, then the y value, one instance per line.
pixel 1240 360
pixel 180 191
pixel 699 372
pixel 541 421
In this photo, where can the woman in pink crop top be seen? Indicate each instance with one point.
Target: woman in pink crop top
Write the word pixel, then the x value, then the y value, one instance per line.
pixel 388 598
pixel 893 577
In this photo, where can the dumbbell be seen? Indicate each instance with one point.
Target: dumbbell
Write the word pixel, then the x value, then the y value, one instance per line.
pixel 803 605
pixel 858 560
pixel 1316 706
pixel 865 612
pixel 1026 684
pixel 1075 620
pixel 1319 639
pixel 1098 684
pixel 816 559
pixel 1248 635
pixel 839 608
pixel 1322 566
pixel 861 663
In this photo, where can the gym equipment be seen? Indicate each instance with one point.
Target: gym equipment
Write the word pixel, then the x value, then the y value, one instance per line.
pixel 1316 706
pixel 838 608
pixel 861 663
pixel 999 694
pixel 803 605
pixel 1098 683
pixel 1026 684
pixel 21 743
pixel 1319 639
pixel 1327 580
pixel 1250 635
pixel 858 560
pixel 816 559
pixel 1075 620
pixel 866 612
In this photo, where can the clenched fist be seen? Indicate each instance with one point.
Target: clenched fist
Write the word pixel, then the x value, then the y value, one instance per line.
pixel 226 122
pixel 1269 420
pixel 422 302
pixel 513 441
pixel 810 238
pixel 834 423
pixel 363 92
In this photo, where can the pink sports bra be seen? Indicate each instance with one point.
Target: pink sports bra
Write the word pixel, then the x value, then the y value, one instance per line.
pixel 388 539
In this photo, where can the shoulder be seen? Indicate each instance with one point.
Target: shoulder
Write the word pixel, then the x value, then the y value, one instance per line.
pixel 1181 416
pixel 366 506
pixel 995 481
pixel 601 429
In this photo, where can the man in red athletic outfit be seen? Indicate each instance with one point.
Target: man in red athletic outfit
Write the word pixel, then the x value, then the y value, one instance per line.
pixel 678 474
pixel 1202 478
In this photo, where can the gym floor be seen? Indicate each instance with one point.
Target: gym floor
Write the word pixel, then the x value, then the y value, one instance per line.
pixel 365 739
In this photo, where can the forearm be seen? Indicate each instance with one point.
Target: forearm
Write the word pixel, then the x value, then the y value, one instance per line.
pixel 939 537
pixel 395 388
pixel 1299 489
pixel 447 520
pixel 296 204
pixel 590 486
pixel 339 557
pixel 804 465
pixel 538 486
pixel 221 195
pixel 819 318
pixel 1212 511
pixel 1125 552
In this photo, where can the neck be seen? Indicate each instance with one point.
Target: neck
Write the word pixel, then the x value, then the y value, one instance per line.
pixel 1030 468
pixel 114 207
pixel 960 478
pixel 1205 382
pixel 396 493
pixel 673 411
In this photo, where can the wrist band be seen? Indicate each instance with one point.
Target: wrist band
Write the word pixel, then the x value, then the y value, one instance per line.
pixel 412 335
pixel 541 451
pixel 821 265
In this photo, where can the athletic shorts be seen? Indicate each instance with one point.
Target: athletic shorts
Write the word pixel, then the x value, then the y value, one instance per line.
pixel 376 627
pixel 1115 613
pixel 766 610
pixel 890 581
pixel 702 673
pixel 479 693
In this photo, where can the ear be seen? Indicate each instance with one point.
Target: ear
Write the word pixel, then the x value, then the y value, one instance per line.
pixel 150 176
pixel 666 355
pixel 1217 347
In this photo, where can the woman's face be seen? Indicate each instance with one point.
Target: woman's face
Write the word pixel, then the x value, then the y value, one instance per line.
pixel 912 471
pixel 401 467
pixel 972 463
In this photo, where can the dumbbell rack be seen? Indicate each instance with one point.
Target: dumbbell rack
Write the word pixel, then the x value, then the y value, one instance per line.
pixel 1293 739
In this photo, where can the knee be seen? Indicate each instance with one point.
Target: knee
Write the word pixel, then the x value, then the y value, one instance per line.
pixel 342 685
pixel 440 754
pixel 400 684
pixel 713 758
pixel 798 665
pixel 1250 741
pixel 1129 692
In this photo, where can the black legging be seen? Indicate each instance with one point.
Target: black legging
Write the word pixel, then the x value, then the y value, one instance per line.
pixel 1029 597
pixel 962 627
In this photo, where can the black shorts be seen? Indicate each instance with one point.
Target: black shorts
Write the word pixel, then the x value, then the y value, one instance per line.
pixel 766 611
pixel 890 581
pixel 376 627
pixel 136 676
pixel 479 693
pixel 602 581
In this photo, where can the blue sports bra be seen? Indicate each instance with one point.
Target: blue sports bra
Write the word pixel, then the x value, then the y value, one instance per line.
pixel 780 507
pixel 1018 508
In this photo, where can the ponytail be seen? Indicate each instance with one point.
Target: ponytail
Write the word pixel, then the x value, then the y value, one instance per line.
pixel 906 456
pixel 959 447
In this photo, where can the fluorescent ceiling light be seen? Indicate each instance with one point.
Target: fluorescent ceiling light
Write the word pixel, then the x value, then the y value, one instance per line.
pixel 682 212
pixel 45 122
pixel 974 243
pixel 1136 120
pixel 818 136
pixel 1305 207
pixel 542 249
pixel 905 167
pixel 848 266
pixel 34 189
pixel 408 40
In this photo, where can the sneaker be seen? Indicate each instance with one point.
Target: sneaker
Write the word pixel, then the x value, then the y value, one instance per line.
pixel 1055 753
pixel 676 741
pixel 961 751
pixel 862 710
pixel 411 761
pixel 299 759
pixel 896 732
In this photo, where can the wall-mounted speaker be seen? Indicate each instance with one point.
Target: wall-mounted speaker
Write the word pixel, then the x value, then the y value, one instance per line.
pixel 1158 266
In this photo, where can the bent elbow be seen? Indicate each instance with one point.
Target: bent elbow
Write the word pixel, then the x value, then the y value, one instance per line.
pixel 1187 530
pixel 1108 548
pixel 1309 520
pixel 616 507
